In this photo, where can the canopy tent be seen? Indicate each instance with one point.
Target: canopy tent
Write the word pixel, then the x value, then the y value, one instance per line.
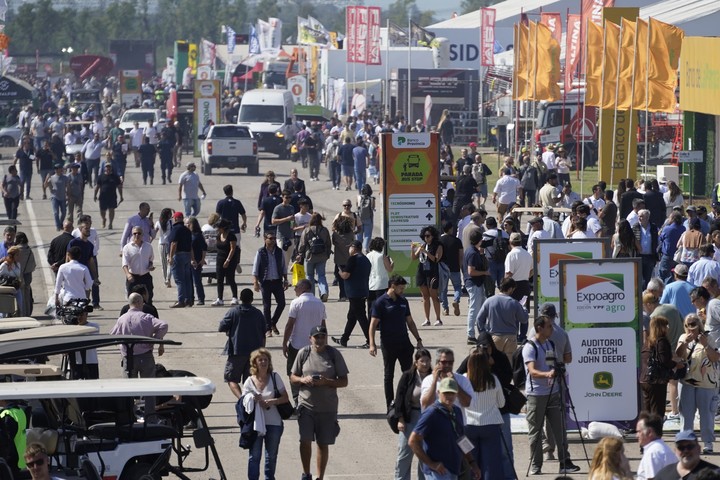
pixel 12 88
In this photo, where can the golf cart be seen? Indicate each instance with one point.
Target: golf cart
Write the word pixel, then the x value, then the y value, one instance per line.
pixel 93 423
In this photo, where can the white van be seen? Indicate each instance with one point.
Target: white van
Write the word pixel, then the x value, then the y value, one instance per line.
pixel 265 112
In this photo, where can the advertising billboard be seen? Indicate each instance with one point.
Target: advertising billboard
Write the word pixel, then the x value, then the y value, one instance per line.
pixel 207 107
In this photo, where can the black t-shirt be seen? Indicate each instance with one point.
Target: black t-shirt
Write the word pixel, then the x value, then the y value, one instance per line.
pixel 670 472
pixel 268 206
pixel 24 160
pixel 198 245
pixel 230 209
pixel 223 248
pixel 359 268
pixel 473 257
pixel 451 246
pixel 46 159
pixel 147 152
pixel 465 187
pixel 86 250
pixel 180 234
pixel 392 315
pixel 346 155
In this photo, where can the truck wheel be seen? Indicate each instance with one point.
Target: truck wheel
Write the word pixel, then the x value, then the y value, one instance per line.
pixel 253 169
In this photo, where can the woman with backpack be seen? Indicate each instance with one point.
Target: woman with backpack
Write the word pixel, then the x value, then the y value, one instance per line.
pixel 315 248
pixel 366 212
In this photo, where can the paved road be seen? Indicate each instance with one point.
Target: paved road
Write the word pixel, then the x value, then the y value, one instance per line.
pixel 366 448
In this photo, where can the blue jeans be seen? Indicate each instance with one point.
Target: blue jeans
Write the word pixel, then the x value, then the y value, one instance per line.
pixel 487 449
pixel 311 268
pixel 508 459
pixel 359 178
pixel 665 268
pixel 334 172
pixel 197 280
pixel 367 228
pixel 403 464
pixel 192 206
pixel 26 180
pixel 497 271
pixel 272 444
pixel 475 301
pixel 456 280
pixel 59 208
pixel 182 272
pixel 433 475
pixel 702 400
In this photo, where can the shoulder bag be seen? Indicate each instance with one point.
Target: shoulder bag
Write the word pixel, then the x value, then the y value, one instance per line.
pixel 286 409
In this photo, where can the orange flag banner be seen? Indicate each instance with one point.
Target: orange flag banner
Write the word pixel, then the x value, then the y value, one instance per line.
pixel 593 72
pixel 610 65
pixel 641 65
pixel 520 75
pixel 548 65
pixel 665 46
pixel 625 67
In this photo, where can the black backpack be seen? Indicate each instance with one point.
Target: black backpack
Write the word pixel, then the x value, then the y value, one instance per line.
pixel 519 369
pixel 316 245
pixel 501 246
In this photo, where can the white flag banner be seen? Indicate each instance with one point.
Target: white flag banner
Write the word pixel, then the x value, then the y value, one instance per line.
pixel 275 32
pixel 361 32
pixel 373 40
pixel 264 32
pixel 207 52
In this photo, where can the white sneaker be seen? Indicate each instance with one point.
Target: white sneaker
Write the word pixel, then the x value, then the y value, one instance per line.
pixel 234 301
pixel 426 323
pixel 218 303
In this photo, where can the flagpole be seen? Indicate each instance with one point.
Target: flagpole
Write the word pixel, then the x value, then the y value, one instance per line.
pixel 617 92
pixel 632 98
pixel 602 90
pixel 387 69
pixel 534 95
pixel 347 46
pixel 516 43
pixel 581 172
pixel 647 94
pixel 409 74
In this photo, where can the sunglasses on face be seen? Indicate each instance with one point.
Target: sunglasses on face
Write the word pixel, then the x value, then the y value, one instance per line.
pixel 320 336
pixel 683 448
pixel 346 206
pixel 691 325
pixel 36 463
pixel 137 233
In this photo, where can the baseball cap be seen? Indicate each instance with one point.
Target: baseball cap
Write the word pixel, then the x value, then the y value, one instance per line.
pixel 472 144
pixel 448 385
pixel 177 215
pixel 535 220
pixel 691 208
pixel 548 309
pixel 75 165
pixel 318 330
pixel 58 165
pixel 548 211
pixel 685 436
pixel 515 238
pixel 681 270
pixel 357 244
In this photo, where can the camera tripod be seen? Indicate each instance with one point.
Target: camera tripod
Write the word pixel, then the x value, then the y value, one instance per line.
pixel 565 399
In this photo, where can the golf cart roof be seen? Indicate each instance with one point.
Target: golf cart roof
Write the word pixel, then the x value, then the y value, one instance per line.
pixel 19 349
pixel 12 324
pixel 312 112
pixel 30 370
pixel 49 331
pixel 109 387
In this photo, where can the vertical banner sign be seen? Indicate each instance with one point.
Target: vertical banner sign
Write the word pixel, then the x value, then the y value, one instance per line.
pixel 547 254
pixel 130 87
pixel 592 12
pixel 207 107
pixel 361 34
pixel 572 49
pixel 621 130
pixel 181 59
pixel 600 308
pixel 487 37
pixel 350 37
pixel 193 57
pixel 411 178
pixel 554 22
pixel 373 41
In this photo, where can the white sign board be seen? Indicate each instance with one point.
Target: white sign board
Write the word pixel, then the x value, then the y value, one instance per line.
pixel 407 215
pixel 690 156
pixel 297 84
pixel 600 308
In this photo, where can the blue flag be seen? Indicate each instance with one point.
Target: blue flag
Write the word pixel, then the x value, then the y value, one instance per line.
pixel 254 48
pixel 230 39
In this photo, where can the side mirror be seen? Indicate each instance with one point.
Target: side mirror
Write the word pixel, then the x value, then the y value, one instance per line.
pixel 201 137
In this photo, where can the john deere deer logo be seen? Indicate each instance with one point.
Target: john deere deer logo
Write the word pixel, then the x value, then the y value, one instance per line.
pixel 603 380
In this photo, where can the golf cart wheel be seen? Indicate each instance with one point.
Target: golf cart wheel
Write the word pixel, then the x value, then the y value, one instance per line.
pixel 138 471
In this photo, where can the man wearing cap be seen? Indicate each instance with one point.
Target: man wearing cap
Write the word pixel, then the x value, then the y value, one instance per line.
pixel 180 240
pixel 475 271
pixel 244 326
pixel 536 232
pixel 678 291
pixel 319 370
pixel 75 191
pixel 438 439
pixel 58 184
pixel 188 186
pixel 542 389
pixel 505 191
pixel 393 311
pixel 519 267
pixel 689 463
pixel 549 195
pixel 656 453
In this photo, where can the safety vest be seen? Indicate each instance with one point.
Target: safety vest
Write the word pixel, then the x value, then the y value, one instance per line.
pixel 18 414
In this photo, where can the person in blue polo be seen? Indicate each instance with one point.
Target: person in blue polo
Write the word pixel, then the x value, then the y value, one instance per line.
pixel 439 440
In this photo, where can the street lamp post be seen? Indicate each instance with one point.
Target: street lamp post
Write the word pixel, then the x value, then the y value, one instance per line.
pixel 68 51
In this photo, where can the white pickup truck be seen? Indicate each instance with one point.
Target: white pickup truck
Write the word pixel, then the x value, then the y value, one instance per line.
pixel 229 146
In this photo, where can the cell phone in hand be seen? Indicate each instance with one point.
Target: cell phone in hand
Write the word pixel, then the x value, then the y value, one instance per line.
pixel 316 377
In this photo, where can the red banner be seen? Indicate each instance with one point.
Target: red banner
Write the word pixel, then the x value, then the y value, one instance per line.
pixel 554 22
pixel 487 37
pixel 361 34
pixel 350 38
pixel 373 41
pixel 572 49
pixel 591 12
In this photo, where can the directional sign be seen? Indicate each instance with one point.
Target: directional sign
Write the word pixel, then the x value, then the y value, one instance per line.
pixel 690 156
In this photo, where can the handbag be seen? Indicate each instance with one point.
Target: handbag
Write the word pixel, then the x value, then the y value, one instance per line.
pixel 286 409
pixel 392 417
pixel 681 372
pixel 298 273
pixel 656 371
pixel 514 399
pixel 678 254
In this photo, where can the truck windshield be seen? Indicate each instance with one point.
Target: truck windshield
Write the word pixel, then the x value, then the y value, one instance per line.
pixel 262 113
pixel 553 117
pixel 138 117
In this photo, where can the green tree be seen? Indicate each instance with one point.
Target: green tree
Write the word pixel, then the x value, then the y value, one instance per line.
pixel 469 6
pixel 399 11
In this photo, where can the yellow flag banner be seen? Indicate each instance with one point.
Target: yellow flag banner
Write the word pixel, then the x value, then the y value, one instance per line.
pixel 641 65
pixel 594 66
pixel 532 60
pixel 625 67
pixel 520 75
pixel 665 46
pixel 548 65
pixel 610 64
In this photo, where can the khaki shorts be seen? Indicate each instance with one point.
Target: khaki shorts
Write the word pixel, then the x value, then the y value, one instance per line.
pixel 322 428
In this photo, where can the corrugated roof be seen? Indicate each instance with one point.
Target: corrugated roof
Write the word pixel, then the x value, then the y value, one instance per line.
pixel 678 12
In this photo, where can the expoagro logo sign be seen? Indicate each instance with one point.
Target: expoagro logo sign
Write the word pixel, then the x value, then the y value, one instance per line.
pixel 601 291
pixel 556 257
pixel 607 290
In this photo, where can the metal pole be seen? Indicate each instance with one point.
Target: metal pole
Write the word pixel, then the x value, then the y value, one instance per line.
pixel 602 92
pixel 516 43
pixel 387 69
pixel 409 74
pixel 581 170
pixel 534 94
pixel 617 92
pixel 647 96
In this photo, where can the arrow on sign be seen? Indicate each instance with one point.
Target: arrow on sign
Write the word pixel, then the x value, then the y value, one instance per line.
pixel 429 203
pixel 429 216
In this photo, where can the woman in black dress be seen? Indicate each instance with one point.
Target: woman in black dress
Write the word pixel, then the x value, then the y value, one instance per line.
pixel 228 256
pixel 108 186
pixel 428 274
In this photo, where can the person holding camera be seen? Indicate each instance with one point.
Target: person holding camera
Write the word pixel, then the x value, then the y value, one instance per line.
pixel 699 385
pixel 544 400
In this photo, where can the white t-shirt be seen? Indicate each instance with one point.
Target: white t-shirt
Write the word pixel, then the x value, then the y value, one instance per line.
pixel 506 189
pixel 191 184
pixel 272 417
pixel 520 263
pixel 462 381
pixel 657 455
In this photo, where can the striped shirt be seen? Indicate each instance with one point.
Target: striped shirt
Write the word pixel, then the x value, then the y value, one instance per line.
pixel 485 406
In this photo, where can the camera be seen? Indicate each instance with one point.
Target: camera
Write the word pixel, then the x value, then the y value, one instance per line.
pixel 559 369
pixel 316 377
pixel 73 309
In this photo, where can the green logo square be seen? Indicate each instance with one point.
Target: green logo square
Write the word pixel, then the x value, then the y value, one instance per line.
pixel 603 380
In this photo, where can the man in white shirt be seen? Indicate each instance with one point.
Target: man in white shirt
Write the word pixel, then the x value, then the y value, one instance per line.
pixel 505 191
pixel 519 267
pixel 95 240
pixel 136 139
pixel 536 232
pixel 596 200
pixel 656 454
pixel 137 263
pixel 593 224
pixel 73 279
pixel 548 158
pixel 151 132
pixel 632 218
pixel 444 369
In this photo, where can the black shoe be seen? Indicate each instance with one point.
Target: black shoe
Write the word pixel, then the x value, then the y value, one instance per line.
pixel 472 341
pixel 178 305
pixel 366 345
pixel 339 341
pixel 568 467
pixel 536 471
